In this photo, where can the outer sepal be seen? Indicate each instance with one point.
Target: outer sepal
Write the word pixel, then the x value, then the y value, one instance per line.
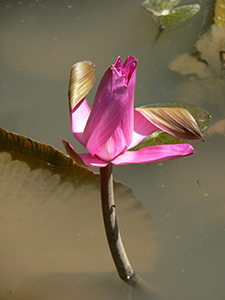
pixel 176 121
pixel 82 78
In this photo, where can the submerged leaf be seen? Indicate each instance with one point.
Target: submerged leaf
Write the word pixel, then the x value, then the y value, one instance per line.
pixel 219 127
pixel 159 7
pixel 160 137
pixel 82 79
pixel 178 15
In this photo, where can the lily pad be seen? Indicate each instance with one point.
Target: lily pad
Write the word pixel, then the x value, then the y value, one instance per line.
pixel 178 15
pixel 160 137
pixel 19 145
pixel 51 222
pixel 164 12
pixel 159 7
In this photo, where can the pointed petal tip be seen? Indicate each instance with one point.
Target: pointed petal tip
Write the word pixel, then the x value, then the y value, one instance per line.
pixel 75 157
pixel 84 159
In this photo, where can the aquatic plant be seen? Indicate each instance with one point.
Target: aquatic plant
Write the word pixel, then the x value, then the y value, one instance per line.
pixel 166 15
pixel 112 128
pixel 209 55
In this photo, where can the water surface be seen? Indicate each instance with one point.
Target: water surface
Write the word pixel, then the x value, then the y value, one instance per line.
pixel 40 41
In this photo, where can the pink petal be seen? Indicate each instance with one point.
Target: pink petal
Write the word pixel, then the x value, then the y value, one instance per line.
pixel 106 115
pixel 102 124
pixel 112 109
pixel 154 153
pixel 93 161
pixel 84 159
pixel 79 117
pixel 115 145
pixel 142 128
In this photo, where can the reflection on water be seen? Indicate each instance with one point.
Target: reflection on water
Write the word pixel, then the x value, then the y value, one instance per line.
pixel 39 42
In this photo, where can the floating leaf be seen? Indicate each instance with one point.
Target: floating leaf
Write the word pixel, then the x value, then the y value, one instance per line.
pixel 178 15
pixel 82 79
pixel 166 15
pixel 18 144
pixel 159 7
pixel 160 137
pixel 51 221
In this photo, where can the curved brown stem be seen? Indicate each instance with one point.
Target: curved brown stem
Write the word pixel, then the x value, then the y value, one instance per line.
pixel 120 258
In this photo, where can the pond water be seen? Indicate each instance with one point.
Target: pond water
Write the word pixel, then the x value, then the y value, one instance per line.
pixel 40 41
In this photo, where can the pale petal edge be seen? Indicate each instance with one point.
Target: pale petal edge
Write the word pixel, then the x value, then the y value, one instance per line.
pixel 154 154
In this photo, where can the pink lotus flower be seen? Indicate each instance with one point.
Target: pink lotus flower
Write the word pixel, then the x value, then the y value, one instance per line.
pixel 113 126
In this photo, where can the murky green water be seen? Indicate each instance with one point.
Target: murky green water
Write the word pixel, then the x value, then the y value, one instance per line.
pixel 39 42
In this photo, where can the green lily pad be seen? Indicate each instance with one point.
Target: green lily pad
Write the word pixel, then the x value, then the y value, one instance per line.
pixel 159 7
pixel 164 12
pixel 160 137
pixel 178 15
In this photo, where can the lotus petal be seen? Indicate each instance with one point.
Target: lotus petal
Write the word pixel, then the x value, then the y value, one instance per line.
pixel 153 154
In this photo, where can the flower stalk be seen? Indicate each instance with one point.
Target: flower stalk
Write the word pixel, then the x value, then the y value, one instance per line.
pixel 125 271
